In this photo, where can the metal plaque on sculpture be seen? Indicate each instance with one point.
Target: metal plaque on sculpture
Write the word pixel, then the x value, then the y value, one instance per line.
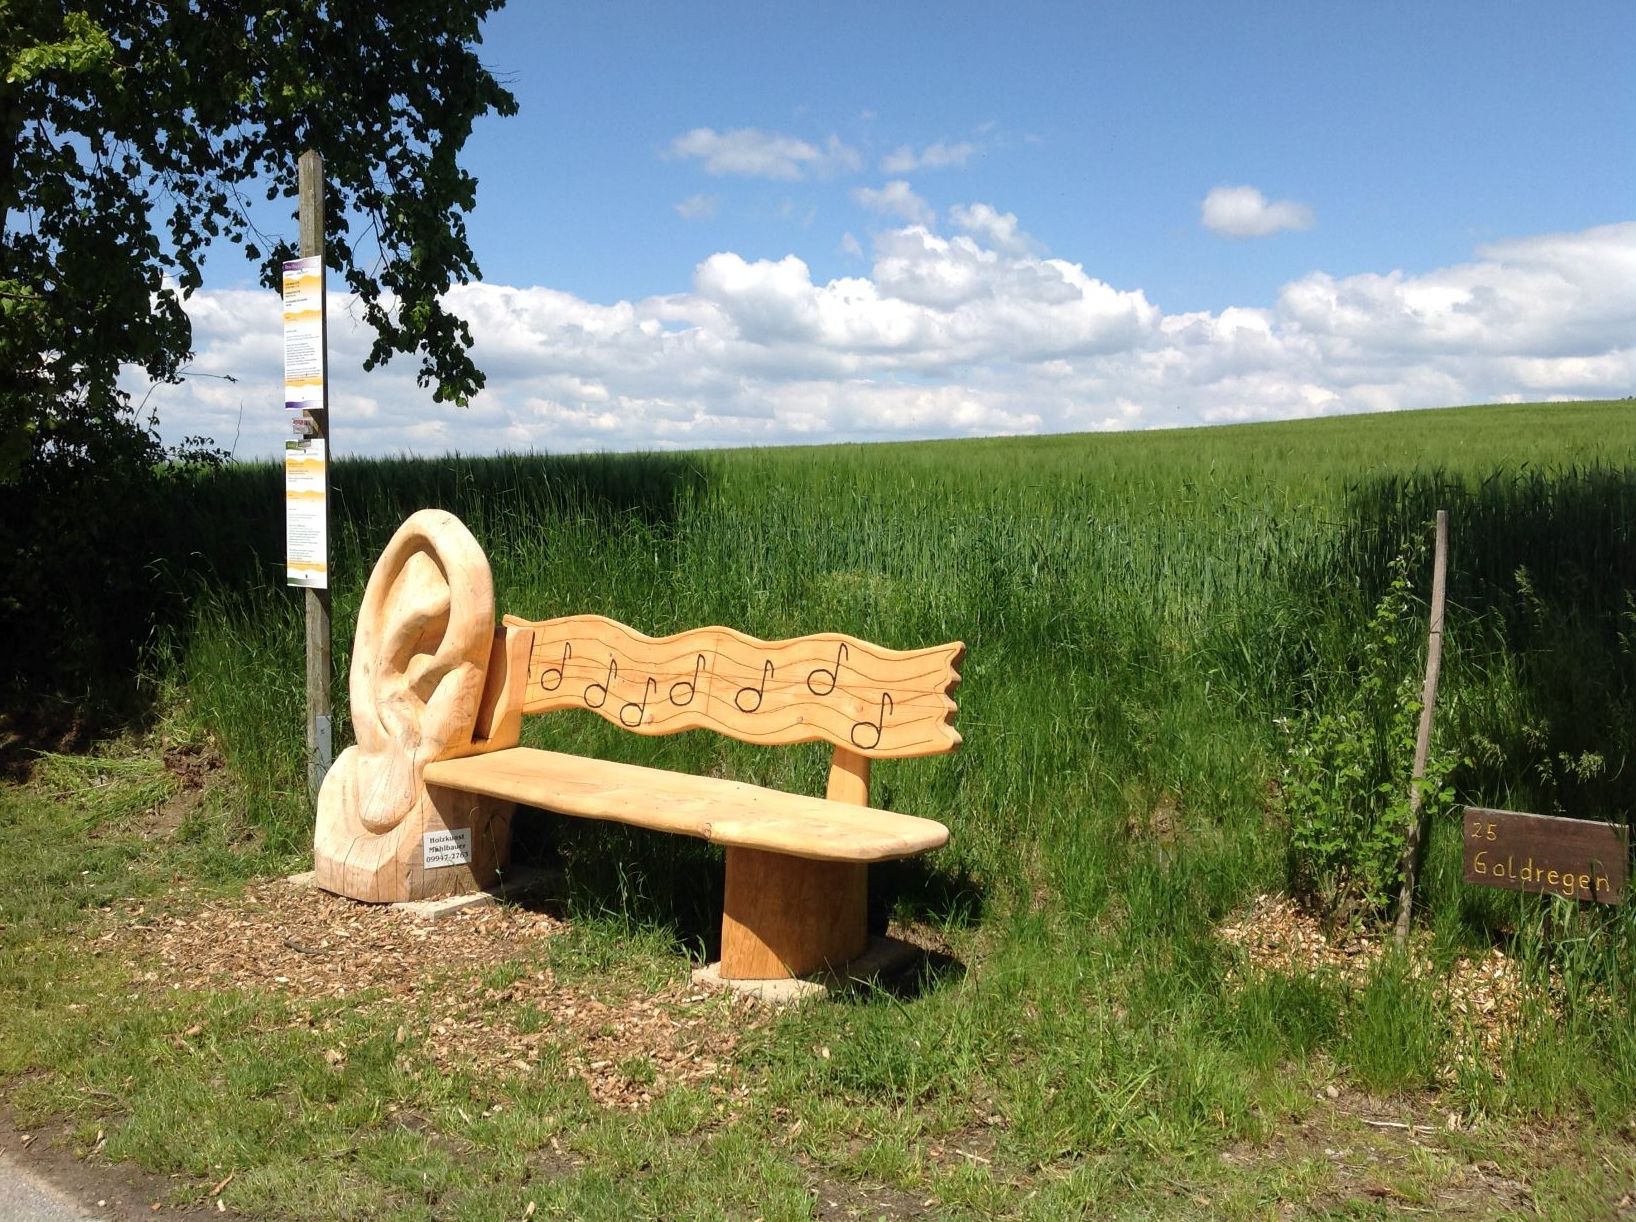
pixel 446 847
pixel 1579 859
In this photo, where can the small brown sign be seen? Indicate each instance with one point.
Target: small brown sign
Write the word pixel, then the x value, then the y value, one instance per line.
pixel 1576 858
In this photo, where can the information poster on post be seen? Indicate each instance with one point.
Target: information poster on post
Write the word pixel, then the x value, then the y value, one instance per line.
pixel 306 517
pixel 304 333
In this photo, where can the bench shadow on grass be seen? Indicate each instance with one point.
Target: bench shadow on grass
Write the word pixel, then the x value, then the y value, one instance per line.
pixel 654 881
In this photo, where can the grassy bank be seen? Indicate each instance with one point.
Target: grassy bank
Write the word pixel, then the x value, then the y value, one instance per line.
pixel 1141 612
pixel 1153 624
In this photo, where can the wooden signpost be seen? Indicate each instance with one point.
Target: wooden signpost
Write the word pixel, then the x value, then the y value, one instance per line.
pixel 306 465
pixel 1579 859
pixel 1422 742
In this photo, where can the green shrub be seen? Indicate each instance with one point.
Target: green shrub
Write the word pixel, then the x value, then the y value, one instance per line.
pixel 1347 776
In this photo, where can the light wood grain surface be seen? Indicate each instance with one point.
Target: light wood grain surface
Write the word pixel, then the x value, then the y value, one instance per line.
pixel 722 812
pixel 786 916
pixel 881 703
pixel 419 660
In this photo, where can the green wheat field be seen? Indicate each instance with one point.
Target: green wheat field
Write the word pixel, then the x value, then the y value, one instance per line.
pixel 1157 627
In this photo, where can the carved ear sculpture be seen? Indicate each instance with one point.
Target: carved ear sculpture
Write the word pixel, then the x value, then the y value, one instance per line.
pixel 425 631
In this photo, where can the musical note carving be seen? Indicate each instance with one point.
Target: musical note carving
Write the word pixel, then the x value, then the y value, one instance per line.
pixel 692 685
pixel 879 702
pixel 558 670
pixel 601 689
pixel 877 726
pixel 832 672
pixel 754 694
pixel 631 706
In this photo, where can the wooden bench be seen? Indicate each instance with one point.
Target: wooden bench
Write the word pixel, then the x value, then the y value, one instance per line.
pixel 421 806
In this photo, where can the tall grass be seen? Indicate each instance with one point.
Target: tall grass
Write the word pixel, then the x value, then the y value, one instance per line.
pixel 1141 614
pixel 1139 609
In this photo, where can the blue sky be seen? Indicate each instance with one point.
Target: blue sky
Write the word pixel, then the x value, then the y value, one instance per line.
pixel 1414 131
pixel 848 221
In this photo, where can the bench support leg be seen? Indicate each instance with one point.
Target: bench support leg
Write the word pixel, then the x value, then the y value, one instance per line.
pixel 787 916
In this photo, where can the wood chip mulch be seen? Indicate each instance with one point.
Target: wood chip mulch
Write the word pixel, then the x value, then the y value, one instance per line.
pixel 1484 994
pixel 474 987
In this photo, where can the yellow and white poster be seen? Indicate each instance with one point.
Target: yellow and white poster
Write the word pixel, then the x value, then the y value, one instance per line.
pixel 306 516
pixel 304 333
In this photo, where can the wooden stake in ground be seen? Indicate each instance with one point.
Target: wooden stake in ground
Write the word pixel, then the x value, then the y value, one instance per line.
pixel 320 743
pixel 1422 742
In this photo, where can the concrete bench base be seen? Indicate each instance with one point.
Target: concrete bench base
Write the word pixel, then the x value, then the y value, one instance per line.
pixel 881 957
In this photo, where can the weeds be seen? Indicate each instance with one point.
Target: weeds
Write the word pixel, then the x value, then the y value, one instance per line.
pixel 1139 611
pixel 1396 1029
pixel 1347 782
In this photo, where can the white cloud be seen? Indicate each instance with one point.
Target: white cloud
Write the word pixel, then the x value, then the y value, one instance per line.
pixel 1243 212
pixel 944 336
pixel 753 153
pixel 935 156
pixel 797 212
pixel 999 229
pixel 850 246
pixel 698 207
pixel 897 198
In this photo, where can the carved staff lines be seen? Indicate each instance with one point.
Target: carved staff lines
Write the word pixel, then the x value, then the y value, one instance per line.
pixel 879 702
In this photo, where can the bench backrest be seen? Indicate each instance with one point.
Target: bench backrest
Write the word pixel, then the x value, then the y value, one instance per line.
pixel 874 702
pixel 434 679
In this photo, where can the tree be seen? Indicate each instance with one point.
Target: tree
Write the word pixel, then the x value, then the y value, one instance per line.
pixel 133 134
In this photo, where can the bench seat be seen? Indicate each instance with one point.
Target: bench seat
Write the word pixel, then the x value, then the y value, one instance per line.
pixel 730 813
pixel 421 804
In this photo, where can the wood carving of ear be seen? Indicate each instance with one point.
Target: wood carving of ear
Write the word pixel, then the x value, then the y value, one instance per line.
pixel 424 634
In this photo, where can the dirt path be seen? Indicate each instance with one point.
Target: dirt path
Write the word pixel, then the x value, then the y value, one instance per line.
pixel 25 1197
pixel 42 1180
